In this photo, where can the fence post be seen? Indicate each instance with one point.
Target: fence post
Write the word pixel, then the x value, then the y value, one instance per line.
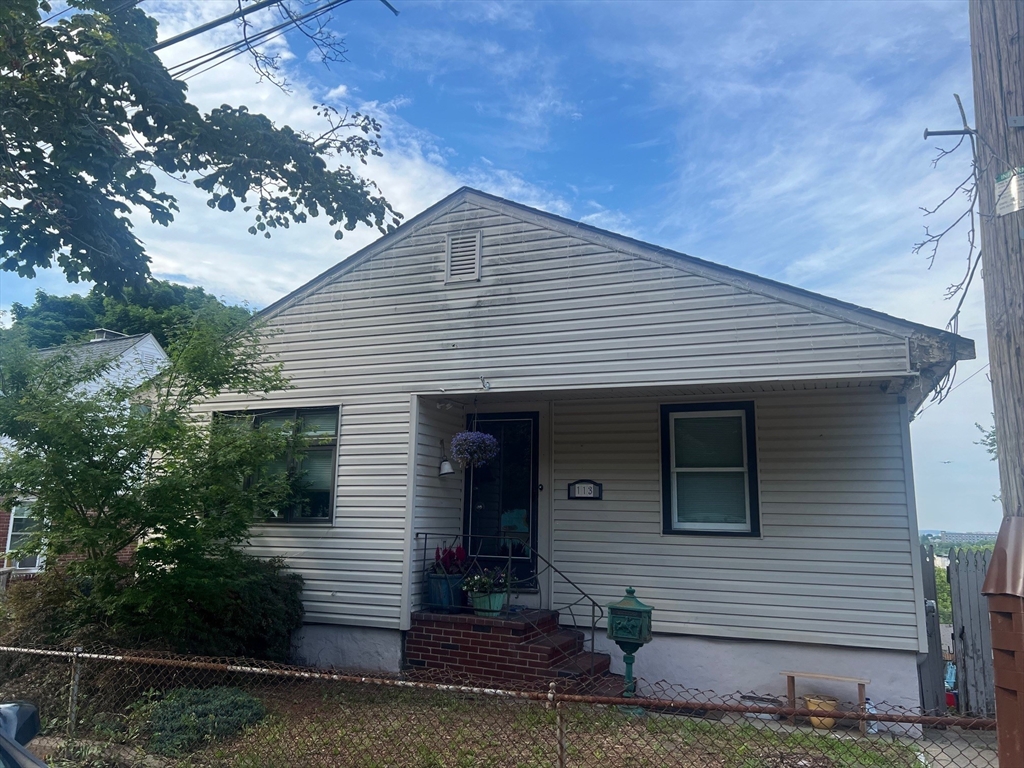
pixel 559 726
pixel 76 675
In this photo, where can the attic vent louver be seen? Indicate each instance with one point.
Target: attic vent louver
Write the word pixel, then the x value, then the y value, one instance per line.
pixel 462 262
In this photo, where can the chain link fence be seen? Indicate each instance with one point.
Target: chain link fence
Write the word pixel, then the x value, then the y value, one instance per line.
pixel 108 709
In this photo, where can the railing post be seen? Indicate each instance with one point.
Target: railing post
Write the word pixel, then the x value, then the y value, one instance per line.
pixel 593 630
pixel 76 675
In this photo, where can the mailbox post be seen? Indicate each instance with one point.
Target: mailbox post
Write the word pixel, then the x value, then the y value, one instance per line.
pixel 629 627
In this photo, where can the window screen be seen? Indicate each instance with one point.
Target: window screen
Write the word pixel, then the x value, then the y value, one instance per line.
pixel 708 461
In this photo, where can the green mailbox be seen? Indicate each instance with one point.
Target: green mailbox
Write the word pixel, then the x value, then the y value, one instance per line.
pixel 629 627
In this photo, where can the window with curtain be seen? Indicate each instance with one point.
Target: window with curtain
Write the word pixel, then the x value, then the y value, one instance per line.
pixel 709 469
pixel 22 526
pixel 311 469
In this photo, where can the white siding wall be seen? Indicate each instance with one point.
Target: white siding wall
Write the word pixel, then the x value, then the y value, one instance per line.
pixel 833 564
pixel 438 507
pixel 549 312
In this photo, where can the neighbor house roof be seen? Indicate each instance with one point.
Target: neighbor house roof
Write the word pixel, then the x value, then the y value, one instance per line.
pixel 134 359
pixel 97 349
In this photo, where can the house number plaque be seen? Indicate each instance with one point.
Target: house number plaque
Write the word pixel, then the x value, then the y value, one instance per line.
pixel 586 489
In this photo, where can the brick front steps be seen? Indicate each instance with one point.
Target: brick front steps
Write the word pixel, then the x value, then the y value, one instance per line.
pixel 520 647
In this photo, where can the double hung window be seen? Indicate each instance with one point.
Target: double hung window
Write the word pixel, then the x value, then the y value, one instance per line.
pixel 23 525
pixel 709 469
pixel 311 468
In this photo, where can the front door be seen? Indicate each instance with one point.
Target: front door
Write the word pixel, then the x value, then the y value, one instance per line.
pixel 500 516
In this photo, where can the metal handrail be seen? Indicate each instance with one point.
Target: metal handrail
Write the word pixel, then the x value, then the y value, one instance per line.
pixel 596 609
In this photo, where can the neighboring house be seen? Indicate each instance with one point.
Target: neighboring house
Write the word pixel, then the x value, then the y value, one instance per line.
pixel 132 360
pixel 751 440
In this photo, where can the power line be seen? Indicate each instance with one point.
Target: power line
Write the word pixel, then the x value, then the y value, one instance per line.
pixel 214 24
pixel 954 389
pixel 227 52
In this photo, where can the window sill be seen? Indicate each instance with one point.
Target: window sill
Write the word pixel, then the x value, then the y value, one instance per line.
pixel 727 534
pixel 298 523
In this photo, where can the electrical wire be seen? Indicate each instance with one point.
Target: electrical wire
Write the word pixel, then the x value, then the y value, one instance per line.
pixel 954 389
pixel 212 59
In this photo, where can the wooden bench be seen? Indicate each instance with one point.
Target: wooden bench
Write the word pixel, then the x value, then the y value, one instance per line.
pixel 862 692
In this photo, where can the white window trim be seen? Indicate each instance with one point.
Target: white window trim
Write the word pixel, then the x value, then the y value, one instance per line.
pixel 40 559
pixel 709 527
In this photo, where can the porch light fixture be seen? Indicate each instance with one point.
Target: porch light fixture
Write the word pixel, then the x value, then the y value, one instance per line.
pixel 446 467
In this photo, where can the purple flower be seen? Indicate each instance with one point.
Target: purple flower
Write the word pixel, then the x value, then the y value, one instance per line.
pixel 474 449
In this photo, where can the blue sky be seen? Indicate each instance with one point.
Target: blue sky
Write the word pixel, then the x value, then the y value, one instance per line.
pixel 780 138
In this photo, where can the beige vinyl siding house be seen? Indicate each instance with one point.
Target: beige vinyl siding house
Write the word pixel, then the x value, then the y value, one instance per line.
pixel 482 307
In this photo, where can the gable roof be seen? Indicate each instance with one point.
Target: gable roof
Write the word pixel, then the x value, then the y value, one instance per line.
pixel 932 352
pixel 94 351
pixel 744 280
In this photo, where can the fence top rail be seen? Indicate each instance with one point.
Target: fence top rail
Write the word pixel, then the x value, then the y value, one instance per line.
pixel 550 695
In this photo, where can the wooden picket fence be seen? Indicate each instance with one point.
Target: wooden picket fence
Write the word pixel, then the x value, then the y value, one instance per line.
pixel 972 635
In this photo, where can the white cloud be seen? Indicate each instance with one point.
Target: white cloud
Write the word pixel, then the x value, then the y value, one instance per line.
pixel 339 92
pixel 212 249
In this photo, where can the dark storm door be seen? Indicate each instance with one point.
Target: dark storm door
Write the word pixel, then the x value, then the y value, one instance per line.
pixel 500 515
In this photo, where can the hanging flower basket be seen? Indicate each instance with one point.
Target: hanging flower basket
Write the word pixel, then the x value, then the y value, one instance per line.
pixel 474 449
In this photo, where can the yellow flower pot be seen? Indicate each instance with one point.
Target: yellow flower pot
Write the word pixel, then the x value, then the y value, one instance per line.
pixel 822 704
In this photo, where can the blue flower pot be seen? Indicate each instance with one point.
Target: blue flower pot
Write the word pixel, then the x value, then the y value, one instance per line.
pixel 444 592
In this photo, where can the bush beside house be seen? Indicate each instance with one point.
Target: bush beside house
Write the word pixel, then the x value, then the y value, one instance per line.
pixel 110 463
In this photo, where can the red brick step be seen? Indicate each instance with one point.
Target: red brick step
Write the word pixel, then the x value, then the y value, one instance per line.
pixel 518 647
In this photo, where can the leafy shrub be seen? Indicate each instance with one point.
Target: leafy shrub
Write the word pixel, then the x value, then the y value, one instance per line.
pixel 234 606
pixel 43 609
pixel 237 605
pixel 187 717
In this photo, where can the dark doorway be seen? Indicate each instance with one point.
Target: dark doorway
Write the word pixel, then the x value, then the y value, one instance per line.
pixel 500 516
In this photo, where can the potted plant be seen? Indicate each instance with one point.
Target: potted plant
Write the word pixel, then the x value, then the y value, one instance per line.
pixel 473 449
pixel 486 591
pixel 444 578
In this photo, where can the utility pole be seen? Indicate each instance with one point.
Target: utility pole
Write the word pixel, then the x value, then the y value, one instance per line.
pixel 997 57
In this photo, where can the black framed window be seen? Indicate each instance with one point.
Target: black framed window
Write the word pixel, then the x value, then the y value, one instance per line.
pixel 709 469
pixel 311 469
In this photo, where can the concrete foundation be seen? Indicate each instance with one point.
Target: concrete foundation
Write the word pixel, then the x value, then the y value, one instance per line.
pixel 355 648
pixel 727 666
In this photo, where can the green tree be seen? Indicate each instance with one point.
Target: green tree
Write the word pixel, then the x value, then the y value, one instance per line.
pixel 988 441
pixel 158 308
pixel 944 598
pixel 90 117
pixel 107 464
